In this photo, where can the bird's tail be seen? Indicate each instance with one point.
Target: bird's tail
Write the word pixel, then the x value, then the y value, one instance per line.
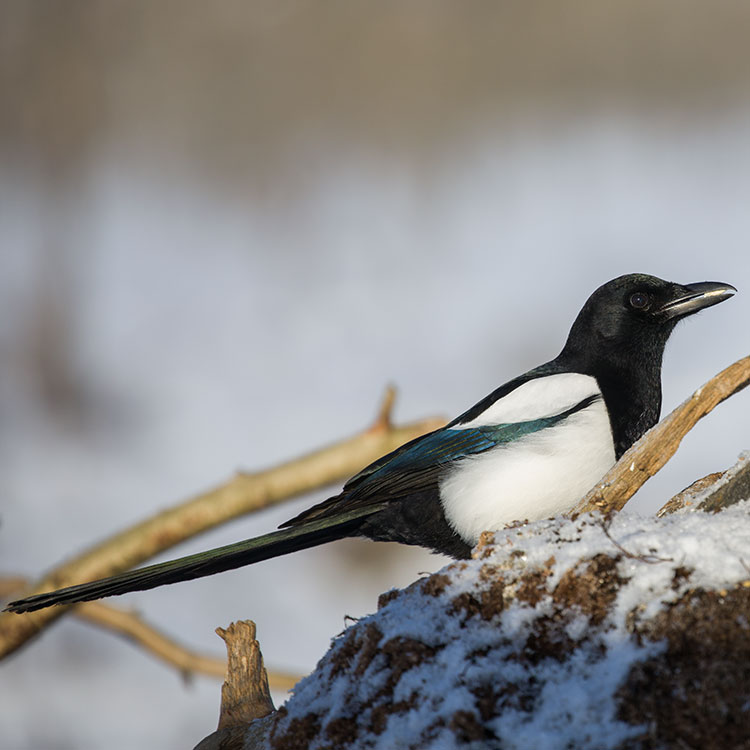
pixel 204 563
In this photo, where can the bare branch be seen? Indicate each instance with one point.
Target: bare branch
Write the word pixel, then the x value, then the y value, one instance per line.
pixel 714 492
pixel 245 700
pixel 188 662
pixel 244 694
pixel 244 493
pixel 133 628
pixel 10 585
pixel 383 421
pixel 734 487
pixel 658 445
pixel 687 497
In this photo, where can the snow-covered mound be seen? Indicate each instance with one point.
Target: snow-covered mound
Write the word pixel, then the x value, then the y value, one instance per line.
pixel 589 633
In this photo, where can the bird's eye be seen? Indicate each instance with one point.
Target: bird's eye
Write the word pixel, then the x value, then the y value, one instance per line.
pixel 639 300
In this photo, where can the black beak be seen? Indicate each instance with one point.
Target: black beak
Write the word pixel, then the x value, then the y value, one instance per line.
pixel 694 297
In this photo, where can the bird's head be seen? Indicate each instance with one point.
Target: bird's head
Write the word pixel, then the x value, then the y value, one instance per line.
pixel 632 317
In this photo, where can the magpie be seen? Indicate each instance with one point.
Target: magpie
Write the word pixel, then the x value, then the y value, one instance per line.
pixel 529 450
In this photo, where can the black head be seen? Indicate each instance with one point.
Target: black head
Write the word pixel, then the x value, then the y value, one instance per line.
pixel 634 315
pixel 619 337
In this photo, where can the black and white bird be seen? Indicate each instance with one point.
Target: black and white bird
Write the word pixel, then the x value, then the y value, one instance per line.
pixel 529 450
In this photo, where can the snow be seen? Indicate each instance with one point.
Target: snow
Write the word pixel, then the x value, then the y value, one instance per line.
pixel 574 698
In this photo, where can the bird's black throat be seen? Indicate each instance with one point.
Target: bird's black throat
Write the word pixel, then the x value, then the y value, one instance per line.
pixel 633 403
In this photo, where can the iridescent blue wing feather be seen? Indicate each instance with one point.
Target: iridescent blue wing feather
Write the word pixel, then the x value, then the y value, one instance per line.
pixel 417 466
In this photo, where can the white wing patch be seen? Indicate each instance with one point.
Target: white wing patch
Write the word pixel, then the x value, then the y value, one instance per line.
pixel 536 477
pixel 541 397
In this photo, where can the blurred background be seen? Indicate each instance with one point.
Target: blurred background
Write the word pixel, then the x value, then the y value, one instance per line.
pixel 226 226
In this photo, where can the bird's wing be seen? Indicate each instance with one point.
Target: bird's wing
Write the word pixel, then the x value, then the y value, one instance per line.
pixel 414 467
pixel 414 447
pixel 531 402
pixel 417 466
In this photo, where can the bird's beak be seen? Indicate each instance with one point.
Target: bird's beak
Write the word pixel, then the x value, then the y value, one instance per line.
pixel 694 297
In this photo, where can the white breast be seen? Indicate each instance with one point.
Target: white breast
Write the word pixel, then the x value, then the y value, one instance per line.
pixel 538 398
pixel 540 475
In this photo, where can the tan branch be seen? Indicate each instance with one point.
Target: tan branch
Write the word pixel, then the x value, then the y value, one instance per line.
pixel 244 694
pixel 385 413
pixel 188 662
pixel 714 492
pixel 133 628
pixel 734 487
pixel 10 585
pixel 242 494
pixel 686 497
pixel 246 704
pixel 658 445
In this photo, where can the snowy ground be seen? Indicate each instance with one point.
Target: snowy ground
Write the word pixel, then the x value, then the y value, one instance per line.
pixel 535 644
